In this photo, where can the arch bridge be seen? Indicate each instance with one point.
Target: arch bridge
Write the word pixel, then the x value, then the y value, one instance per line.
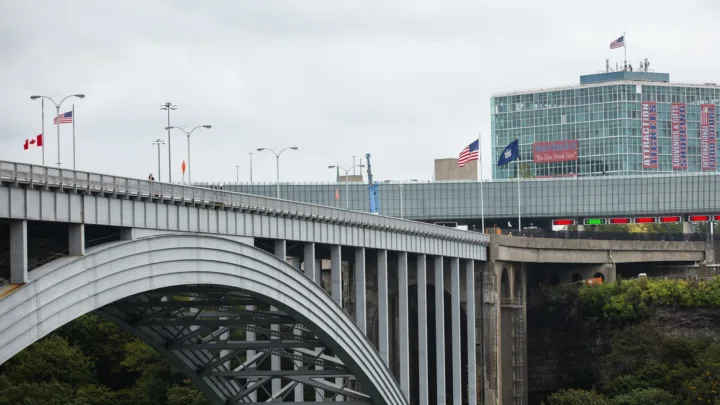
pixel 255 299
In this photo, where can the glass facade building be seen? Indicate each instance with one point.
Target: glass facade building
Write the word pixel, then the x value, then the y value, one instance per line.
pixel 618 123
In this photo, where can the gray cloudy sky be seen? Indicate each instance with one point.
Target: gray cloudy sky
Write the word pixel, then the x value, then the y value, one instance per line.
pixel 408 81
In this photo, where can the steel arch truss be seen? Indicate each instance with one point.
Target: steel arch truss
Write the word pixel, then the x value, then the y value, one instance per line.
pixel 205 330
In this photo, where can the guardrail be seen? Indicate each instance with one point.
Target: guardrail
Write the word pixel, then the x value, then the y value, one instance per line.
pixel 599 235
pixel 66 179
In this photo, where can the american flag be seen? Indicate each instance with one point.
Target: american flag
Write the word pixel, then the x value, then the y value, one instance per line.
pixel 470 153
pixel 618 43
pixel 65 118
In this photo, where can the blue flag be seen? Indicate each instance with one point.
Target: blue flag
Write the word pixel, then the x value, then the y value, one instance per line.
pixel 509 154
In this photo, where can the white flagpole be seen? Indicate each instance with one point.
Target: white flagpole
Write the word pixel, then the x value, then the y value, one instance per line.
pixel 518 193
pixel 625 47
pixel 73 120
pixel 482 199
pixel 43 131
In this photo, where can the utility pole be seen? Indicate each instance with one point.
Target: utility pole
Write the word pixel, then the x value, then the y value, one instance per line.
pixel 168 106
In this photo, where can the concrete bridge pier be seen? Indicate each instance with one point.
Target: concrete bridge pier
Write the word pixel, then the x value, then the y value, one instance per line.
pixel 20 258
pixel 504 348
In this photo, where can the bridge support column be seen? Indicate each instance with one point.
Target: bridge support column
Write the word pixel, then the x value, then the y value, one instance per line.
pixel 336 274
pixel 337 293
pixel 298 393
pixel 275 361
pixel 422 330
pixel 456 364
pixel 440 330
pixel 471 343
pixel 360 297
pixel 76 237
pixel 686 227
pixel 309 260
pixel 383 304
pixel 18 252
pixel 404 337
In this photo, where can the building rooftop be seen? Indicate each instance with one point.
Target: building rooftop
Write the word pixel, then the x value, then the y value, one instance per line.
pixel 610 78
pixel 625 76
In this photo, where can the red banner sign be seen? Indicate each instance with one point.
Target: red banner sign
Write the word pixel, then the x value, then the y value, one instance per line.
pixel 649 135
pixel 557 151
pixel 708 155
pixel 678 131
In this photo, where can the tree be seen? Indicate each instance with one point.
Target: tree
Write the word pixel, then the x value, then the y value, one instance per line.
pixel 649 396
pixel 525 171
pixel 51 359
pixel 576 397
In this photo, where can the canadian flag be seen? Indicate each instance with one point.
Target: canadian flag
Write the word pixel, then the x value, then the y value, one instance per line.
pixel 36 141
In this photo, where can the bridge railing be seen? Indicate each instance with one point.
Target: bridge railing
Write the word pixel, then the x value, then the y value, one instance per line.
pixel 58 178
pixel 599 235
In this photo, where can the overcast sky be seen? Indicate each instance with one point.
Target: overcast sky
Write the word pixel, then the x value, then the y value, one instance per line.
pixel 408 81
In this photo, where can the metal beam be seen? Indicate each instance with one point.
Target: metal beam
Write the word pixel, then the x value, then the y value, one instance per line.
pixel 279 373
pixel 247 345
pixel 325 385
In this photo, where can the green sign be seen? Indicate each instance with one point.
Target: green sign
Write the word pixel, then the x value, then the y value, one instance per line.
pixel 594 221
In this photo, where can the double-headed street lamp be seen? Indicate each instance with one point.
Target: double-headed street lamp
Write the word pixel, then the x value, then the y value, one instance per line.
pixel 57 121
pixel 401 194
pixel 277 156
pixel 158 142
pixel 188 139
pixel 347 171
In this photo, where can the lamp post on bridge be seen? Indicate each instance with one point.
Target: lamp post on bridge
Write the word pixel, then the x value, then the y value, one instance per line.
pixel 401 193
pixel 158 142
pixel 188 139
pixel 169 107
pixel 277 157
pixel 57 121
pixel 347 171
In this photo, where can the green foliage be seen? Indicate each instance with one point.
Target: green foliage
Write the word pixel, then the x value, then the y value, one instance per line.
pixel 525 171
pixel 631 301
pixel 51 359
pixel 576 397
pixel 637 363
pixel 93 362
pixel 186 396
pixel 648 396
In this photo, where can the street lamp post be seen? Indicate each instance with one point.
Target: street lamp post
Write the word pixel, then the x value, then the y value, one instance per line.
pixel 57 121
pixel 188 139
pixel 347 193
pixel 158 142
pixel 277 157
pixel 237 175
pixel 402 202
pixel 169 107
pixel 250 166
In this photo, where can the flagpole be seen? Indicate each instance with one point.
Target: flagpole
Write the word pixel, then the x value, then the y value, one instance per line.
pixel 482 199
pixel 73 120
pixel 518 193
pixel 625 47
pixel 42 101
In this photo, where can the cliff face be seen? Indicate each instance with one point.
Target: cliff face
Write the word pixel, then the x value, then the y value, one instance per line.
pixel 698 323
pixel 562 349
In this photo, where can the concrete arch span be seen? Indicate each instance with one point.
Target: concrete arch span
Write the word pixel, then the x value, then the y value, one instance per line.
pixel 136 284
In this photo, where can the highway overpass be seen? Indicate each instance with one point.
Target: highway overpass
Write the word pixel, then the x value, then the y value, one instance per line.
pixel 540 199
